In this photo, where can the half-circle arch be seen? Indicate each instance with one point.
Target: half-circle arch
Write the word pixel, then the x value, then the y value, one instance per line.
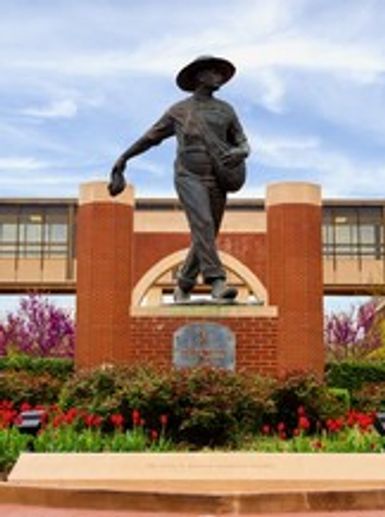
pixel 172 260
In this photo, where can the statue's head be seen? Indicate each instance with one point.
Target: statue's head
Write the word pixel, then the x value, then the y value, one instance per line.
pixel 205 70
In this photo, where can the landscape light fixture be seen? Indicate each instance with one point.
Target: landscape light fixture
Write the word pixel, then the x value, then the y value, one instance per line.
pixel 379 423
pixel 31 421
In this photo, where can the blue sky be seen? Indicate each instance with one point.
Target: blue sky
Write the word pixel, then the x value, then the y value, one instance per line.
pixel 80 80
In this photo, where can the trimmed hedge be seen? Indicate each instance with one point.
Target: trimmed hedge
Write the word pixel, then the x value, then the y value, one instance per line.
pixel 60 368
pixel 352 375
pixel 33 380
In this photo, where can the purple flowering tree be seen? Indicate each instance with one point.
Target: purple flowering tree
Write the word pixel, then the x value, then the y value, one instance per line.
pixel 38 328
pixel 355 333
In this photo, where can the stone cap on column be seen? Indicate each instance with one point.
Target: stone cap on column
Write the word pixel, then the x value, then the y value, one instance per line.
pixel 293 192
pixel 96 192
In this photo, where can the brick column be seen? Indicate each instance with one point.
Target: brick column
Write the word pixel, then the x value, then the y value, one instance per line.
pixel 294 248
pixel 104 274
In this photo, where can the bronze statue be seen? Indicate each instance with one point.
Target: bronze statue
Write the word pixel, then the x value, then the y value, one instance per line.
pixel 211 148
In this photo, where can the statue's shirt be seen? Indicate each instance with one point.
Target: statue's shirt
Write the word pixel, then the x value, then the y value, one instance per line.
pixel 188 120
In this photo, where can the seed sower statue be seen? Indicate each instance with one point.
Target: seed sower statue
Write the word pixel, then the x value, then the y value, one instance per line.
pixel 210 162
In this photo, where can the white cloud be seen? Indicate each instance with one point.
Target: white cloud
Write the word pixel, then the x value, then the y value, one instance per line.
pixel 282 151
pixel 255 34
pixel 308 159
pixel 314 54
pixel 294 51
pixel 14 164
pixel 58 109
pixel 154 168
pixel 267 88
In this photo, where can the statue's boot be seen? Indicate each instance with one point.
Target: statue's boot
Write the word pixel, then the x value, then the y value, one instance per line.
pixel 181 296
pixel 221 291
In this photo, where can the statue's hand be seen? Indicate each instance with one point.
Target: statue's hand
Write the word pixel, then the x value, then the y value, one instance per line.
pixel 234 156
pixel 117 182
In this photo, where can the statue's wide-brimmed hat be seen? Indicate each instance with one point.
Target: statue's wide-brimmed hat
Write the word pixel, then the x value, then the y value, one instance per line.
pixel 186 78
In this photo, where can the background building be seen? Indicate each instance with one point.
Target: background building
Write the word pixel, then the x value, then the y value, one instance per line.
pixel 38 246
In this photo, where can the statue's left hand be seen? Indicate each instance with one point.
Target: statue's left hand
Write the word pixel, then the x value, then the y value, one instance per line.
pixel 234 156
pixel 117 182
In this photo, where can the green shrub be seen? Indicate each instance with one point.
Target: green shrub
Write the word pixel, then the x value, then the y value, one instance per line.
pixel 338 403
pixel 202 406
pixel 118 389
pixel 371 397
pixel 205 406
pixel 301 393
pixel 61 368
pixel 351 375
pixel 24 386
pixel 214 407
pixel 12 443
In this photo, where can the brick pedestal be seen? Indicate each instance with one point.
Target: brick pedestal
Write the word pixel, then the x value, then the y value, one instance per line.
pixel 104 274
pixel 152 332
pixel 294 254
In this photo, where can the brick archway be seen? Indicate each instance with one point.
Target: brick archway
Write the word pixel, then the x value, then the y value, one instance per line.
pixel 277 339
pixel 169 262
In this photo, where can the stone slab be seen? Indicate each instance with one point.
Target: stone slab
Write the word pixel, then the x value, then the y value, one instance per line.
pixel 230 310
pixel 200 466
pixel 214 483
pixel 193 503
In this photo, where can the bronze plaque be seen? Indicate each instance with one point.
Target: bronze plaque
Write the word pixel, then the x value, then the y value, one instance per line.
pixel 204 344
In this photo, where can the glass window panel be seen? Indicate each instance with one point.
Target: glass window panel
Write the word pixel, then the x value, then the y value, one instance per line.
pixel 368 234
pixel 346 231
pixel 8 232
pixel 8 224
pixel 33 232
pixel 328 239
pixel 56 232
pixel 328 233
pixel 343 234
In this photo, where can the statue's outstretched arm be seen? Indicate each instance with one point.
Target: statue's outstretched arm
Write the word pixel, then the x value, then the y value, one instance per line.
pixel 162 129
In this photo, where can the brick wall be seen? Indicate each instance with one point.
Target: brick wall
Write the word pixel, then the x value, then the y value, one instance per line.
pixel 104 283
pixel 151 247
pixel 151 339
pixel 295 274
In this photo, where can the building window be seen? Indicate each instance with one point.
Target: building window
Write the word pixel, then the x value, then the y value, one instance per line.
pixel 8 231
pixel 55 233
pixel 31 232
pixel 34 231
pixel 353 232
